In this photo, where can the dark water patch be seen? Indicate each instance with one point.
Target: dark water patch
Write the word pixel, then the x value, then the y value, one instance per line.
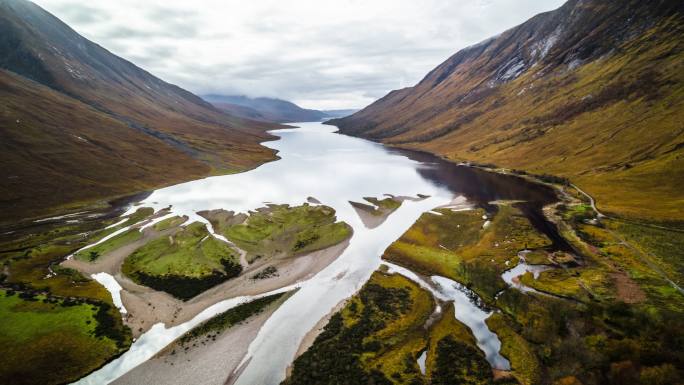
pixel 482 187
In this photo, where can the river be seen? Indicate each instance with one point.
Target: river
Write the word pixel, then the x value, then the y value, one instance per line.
pixel 335 169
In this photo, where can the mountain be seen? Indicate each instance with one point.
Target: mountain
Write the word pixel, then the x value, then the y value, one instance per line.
pixel 339 113
pixel 592 91
pixel 79 124
pixel 264 109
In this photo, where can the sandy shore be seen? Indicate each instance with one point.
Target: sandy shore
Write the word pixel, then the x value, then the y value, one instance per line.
pixel 205 362
pixel 147 306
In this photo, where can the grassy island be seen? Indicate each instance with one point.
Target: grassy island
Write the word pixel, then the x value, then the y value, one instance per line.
pixel 184 264
pixel 281 230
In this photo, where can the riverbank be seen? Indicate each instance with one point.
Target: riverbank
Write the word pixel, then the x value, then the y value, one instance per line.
pixel 208 358
pixel 147 306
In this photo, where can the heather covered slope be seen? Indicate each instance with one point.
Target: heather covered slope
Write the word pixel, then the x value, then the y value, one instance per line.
pixel 79 123
pixel 593 91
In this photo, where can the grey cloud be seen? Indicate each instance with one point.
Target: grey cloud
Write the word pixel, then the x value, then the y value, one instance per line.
pixel 340 60
pixel 81 14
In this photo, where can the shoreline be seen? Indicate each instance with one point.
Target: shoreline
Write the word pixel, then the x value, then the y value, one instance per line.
pixel 146 306
pixel 205 361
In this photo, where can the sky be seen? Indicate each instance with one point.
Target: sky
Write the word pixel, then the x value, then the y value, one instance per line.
pixel 324 54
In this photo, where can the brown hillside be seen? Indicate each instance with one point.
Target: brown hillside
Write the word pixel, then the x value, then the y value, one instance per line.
pixel 593 91
pixel 79 124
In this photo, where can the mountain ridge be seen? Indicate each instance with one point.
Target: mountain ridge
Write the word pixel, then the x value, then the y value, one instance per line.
pixel 264 108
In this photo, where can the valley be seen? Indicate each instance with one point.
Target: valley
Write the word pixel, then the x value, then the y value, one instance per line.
pixel 515 217
pixel 451 243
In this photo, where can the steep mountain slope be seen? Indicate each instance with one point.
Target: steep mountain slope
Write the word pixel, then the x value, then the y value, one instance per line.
pixel 265 109
pixel 78 123
pixel 593 91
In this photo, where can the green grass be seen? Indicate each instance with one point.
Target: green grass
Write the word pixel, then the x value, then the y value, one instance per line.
pixel 622 317
pixel 456 246
pixel 93 253
pixel 50 341
pixel 378 207
pixel 664 247
pixel 284 230
pixel 29 269
pixel 137 216
pixel 618 311
pixel 526 367
pixel 183 264
pixel 389 204
pixel 191 252
pixel 583 284
pixel 169 223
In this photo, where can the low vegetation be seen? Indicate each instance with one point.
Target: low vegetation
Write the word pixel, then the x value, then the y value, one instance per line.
pixel 93 253
pixel 282 230
pixel 268 272
pixel 184 264
pixel 211 328
pixel 170 223
pixel 376 211
pixel 57 324
pixel 378 207
pixel 379 335
pixel 471 247
pixel 388 204
pixel 611 315
pixel 63 338
pixel 375 338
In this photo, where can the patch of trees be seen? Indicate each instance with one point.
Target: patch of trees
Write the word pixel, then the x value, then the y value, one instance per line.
pixel 600 342
pixel 231 268
pixel 306 239
pixel 459 363
pixel 179 286
pixel 334 357
pixel 268 272
pixel 229 318
pixel 109 326
pixel 184 287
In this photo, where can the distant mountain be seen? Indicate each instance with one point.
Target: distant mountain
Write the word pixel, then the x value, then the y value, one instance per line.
pixel 339 113
pixel 593 91
pixel 265 109
pixel 78 123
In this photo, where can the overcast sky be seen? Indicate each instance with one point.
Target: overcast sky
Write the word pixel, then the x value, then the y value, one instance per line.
pixel 320 54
